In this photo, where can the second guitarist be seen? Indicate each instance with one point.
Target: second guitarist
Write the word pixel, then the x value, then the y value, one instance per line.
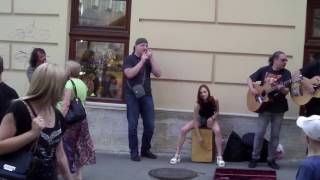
pixel 312 70
pixel 273 113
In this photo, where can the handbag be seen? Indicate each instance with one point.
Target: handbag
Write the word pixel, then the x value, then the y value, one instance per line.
pixel 138 89
pixel 19 165
pixel 76 112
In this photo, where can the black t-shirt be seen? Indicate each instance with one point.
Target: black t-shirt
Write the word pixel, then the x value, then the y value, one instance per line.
pixel 309 71
pixel 48 140
pixel 130 62
pixel 278 102
pixel 6 95
pixel 207 109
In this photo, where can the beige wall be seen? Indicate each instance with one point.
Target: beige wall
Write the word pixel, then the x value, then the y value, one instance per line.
pixel 29 24
pixel 217 42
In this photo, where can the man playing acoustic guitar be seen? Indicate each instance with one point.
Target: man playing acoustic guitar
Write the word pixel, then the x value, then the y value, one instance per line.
pixel 312 70
pixel 274 75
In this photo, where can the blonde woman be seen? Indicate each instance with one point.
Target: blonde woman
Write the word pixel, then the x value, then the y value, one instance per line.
pixel 20 130
pixel 77 141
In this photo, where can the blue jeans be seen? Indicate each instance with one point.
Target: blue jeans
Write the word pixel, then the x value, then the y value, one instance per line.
pixel 144 107
pixel 262 123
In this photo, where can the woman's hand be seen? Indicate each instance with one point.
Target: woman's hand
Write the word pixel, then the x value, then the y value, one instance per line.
pixel 212 118
pixel 200 140
pixel 38 124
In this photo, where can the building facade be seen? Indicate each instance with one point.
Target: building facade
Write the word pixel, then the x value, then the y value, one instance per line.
pixel 214 42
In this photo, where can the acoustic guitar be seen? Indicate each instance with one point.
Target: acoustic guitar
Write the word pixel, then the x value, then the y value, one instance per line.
pixel 300 94
pixel 259 102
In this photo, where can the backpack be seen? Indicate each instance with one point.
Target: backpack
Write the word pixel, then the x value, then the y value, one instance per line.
pixel 235 149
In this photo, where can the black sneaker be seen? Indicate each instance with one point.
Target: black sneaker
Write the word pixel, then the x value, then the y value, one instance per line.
pixel 252 163
pixel 135 157
pixel 273 164
pixel 148 154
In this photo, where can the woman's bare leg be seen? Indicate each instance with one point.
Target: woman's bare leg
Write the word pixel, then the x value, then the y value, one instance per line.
pixel 182 135
pixel 214 125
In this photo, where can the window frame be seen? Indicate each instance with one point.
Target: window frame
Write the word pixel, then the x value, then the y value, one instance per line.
pixel 309 39
pixel 75 28
pixel 111 34
pixel 311 44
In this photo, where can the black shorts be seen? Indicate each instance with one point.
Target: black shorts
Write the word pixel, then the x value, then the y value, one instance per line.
pixel 202 122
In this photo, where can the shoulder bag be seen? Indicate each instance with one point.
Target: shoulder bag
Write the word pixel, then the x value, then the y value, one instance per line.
pixel 19 165
pixel 76 112
pixel 138 89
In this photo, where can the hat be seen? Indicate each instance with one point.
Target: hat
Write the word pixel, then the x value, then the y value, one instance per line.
pixel 141 40
pixel 310 125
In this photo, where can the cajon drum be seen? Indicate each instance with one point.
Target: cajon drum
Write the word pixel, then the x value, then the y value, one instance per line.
pixel 206 151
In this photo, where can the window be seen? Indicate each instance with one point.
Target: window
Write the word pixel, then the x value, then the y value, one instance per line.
pixel 313 22
pixel 99 40
pixel 316 23
pixel 103 13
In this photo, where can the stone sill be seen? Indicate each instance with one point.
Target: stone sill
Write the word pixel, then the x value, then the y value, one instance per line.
pixel 108 106
pixel 122 107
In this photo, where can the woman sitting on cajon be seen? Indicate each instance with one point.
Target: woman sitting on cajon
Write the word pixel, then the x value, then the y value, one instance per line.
pixel 205 114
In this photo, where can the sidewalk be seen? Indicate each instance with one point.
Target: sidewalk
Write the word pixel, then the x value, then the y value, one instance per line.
pixel 120 167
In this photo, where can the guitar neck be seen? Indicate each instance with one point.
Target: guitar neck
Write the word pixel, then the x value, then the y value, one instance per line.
pixel 285 84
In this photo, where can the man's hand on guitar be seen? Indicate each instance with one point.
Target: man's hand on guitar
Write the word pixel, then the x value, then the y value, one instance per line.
pixel 280 87
pixel 310 84
pixel 311 90
pixel 283 89
pixel 317 79
pixel 254 91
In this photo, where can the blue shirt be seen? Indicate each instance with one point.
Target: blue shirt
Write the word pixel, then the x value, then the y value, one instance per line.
pixel 309 169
